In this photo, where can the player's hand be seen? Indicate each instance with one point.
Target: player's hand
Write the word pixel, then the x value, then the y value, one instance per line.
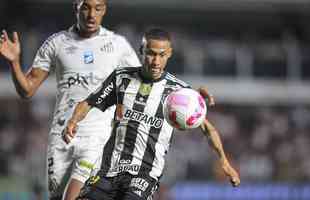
pixel 10 49
pixel 209 97
pixel 69 131
pixel 231 173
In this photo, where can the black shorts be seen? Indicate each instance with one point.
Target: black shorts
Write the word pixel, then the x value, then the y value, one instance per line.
pixel 122 187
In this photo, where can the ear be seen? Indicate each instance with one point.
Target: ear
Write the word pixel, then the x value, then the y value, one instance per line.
pixel 105 9
pixel 170 51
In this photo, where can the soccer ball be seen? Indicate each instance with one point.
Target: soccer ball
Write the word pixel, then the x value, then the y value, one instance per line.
pixel 184 109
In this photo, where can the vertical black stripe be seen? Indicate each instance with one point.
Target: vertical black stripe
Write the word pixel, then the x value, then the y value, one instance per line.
pixel 149 154
pixel 109 147
pixel 123 86
pixel 132 126
pixel 107 152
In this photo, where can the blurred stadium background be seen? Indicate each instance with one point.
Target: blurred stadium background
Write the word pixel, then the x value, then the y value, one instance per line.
pixel 253 54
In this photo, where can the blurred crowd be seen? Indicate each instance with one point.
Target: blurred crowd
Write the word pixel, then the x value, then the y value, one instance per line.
pixel 201 52
pixel 266 143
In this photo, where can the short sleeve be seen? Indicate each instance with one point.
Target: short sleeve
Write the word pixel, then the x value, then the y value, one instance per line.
pixel 105 95
pixel 45 56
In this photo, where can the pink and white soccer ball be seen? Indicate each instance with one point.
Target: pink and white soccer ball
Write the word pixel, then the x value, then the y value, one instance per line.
pixel 185 109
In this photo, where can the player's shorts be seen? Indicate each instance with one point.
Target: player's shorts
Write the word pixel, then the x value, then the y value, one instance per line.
pixel 79 159
pixel 122 187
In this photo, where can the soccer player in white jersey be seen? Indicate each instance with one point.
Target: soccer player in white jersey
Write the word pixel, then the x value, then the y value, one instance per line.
pixel 133 158
pixel 82 57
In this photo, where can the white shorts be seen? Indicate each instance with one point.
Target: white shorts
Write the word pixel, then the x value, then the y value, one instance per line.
pixel 79 159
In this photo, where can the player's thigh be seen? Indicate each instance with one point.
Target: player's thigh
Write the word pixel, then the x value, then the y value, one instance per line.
pixel 98 188
pixel 59 161
pixel 88 158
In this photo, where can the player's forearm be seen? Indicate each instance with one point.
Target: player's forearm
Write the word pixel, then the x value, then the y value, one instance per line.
pixel 80 111
pixel 22 85
pixel 214 139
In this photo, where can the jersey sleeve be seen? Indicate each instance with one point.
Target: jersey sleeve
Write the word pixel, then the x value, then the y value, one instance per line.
pixel 129 57
pixel 45 56
pixel 105 95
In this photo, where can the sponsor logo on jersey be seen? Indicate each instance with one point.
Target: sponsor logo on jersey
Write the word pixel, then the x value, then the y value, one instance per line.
pixel 143 118
pixel 126 168
pixel 71 49
pixel 139 183
pixel 88 57
pixel 123 161
pixel 79 79
pixel 105 93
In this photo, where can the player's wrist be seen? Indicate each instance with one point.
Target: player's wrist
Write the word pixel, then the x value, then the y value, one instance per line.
pixel 73 121
pixel 15 62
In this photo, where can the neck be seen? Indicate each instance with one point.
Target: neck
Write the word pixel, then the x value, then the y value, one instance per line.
pixel 85 34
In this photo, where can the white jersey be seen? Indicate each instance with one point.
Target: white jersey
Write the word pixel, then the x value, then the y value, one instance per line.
pixel 81 64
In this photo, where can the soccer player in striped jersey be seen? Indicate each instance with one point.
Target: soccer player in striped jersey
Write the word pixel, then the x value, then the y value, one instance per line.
pixel 82 57
pixel 133 159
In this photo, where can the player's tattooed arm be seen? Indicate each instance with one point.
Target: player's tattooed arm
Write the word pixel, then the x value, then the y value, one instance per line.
pixel 215 141
pixel 79 113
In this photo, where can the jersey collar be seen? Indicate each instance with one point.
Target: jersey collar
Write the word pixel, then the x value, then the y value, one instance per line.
pixel 74 29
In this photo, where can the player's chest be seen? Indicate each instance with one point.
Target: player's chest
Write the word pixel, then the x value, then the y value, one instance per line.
pixel 146 97
pixel 87 56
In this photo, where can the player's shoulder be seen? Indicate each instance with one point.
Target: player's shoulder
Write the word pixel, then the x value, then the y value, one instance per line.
pixel 53 40
pixel 57 35
pixel 127 70
pixel 172 79
pixel 113 36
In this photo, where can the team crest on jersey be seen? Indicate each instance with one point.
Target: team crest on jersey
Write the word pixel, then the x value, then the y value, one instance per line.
pixel 145 89
pixel 108 47
pixel 88 57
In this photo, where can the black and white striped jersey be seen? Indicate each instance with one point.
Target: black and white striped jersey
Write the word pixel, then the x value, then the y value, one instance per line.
pixel 141 136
